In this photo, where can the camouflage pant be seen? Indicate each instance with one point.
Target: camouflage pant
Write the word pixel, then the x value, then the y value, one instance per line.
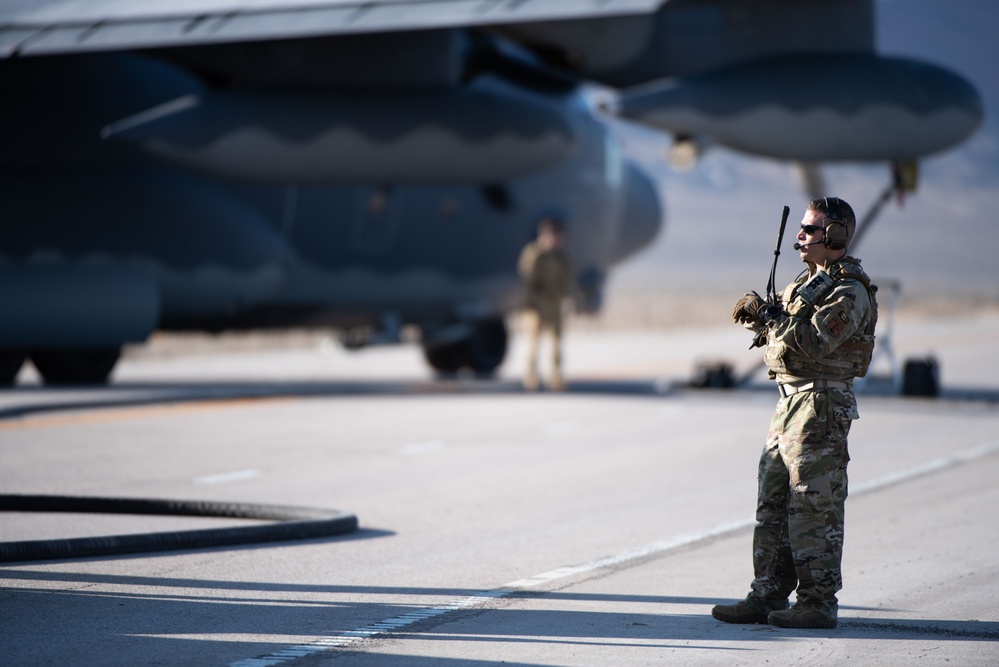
pixel 536 321
pixel 798 541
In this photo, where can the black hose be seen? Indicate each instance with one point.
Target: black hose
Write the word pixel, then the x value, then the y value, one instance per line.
pixel 292 523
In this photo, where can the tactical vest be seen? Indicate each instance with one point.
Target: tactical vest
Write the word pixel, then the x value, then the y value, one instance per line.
pixel 852 358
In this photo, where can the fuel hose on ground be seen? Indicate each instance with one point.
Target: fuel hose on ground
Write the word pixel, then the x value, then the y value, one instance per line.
pixel 289 523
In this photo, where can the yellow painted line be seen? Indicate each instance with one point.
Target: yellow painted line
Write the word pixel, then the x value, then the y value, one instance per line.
pixel 132 413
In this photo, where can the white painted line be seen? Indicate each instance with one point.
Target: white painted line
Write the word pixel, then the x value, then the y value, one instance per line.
pixel 933 466
pixel 352 637
pixel 627 556
pixel 417 448
pixel 225 477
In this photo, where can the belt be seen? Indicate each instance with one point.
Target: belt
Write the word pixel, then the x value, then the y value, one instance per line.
pixel 790 389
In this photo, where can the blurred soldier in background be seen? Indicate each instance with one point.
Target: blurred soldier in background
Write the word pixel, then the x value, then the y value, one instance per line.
pixel 819 337
pixel 547 274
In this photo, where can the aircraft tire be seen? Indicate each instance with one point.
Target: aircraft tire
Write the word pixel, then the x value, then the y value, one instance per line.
pixel 481 352
pixel 10 364
pixel 487 346
pixel 289 523
pixel 446 359
pixel 75 366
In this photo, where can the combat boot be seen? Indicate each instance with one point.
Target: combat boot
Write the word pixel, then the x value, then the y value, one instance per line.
pixel 800 616
pixel 750 610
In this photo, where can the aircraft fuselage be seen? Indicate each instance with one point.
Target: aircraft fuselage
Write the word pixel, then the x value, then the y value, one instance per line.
pixel 244 209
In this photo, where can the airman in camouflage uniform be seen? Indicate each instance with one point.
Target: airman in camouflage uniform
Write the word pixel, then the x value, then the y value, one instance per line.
pixel 546 272
pixel 817 341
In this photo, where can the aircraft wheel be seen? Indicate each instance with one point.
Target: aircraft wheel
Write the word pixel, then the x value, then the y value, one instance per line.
pixel 76 366
pixel 482 351
pixel 487 346
pixel 10 365
pixel 445 358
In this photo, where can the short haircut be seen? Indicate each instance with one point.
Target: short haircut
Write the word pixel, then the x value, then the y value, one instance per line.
pixel 836 209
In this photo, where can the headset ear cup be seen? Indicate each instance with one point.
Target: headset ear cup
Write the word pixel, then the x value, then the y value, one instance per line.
pixel 836 236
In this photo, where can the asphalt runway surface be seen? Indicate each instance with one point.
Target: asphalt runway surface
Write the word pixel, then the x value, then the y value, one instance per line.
pixel 592 527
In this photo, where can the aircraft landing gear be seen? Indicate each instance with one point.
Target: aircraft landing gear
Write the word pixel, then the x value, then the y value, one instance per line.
pixel 481 348
pixel 75 366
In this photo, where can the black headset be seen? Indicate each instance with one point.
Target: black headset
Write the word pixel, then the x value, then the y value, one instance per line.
pixel 837 234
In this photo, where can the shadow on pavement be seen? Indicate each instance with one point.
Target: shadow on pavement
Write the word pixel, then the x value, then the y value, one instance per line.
pixel 190 619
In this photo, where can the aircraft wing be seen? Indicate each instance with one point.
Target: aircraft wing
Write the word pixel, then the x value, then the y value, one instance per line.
pixel 40 27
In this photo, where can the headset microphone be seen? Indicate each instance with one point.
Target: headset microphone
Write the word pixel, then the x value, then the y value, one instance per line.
pixel 799 246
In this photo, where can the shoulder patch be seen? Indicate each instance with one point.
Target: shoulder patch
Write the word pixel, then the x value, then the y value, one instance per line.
pixel 837 322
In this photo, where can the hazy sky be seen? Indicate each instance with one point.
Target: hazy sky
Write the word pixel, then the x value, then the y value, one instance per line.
pixel 722 217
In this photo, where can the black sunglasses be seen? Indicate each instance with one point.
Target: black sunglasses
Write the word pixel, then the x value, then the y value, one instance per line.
pixel 811 229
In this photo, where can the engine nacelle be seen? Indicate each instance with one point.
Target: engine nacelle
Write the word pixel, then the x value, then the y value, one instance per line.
pixel 859 107
pixel 451 136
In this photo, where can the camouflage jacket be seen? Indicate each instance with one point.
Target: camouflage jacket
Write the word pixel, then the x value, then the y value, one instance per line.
pixel 547 276
pixel 827 329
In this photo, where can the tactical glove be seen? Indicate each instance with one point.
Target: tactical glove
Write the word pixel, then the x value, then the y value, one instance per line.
pixel 748 309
